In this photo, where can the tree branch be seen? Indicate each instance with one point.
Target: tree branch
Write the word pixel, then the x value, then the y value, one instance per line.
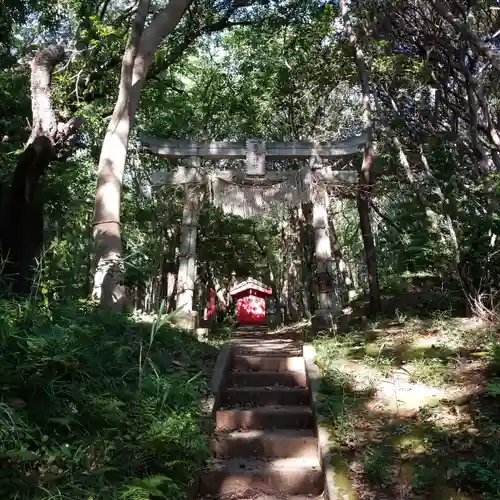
pixel 463 29
pixel 190 36
pixel 42 67
pixel 386 219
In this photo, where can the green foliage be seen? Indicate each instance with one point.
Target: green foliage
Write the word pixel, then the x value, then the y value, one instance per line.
pixel 229 243
pixel 95 405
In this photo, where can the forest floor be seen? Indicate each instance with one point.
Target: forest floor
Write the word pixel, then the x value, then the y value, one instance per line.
pixel 414 409
pixel 99 406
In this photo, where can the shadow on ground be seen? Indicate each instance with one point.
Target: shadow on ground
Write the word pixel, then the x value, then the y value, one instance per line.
pixel 447 448
pixel 95 405
pixel 415 297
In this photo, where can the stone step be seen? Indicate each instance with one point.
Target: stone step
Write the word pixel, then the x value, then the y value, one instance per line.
pixel 264 417
pixel 268 363
pixel 267 378
pixel 266 444
pixel 263 396
pixel 261 336
pixel 272 346
pixel 259 350
pixel 259 495
pixel 268 339
pixel 252 328
pixel 293 476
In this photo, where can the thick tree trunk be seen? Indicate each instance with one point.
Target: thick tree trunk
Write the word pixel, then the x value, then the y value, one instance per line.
pixel 108 280
pixel 366 172
pixel 21 224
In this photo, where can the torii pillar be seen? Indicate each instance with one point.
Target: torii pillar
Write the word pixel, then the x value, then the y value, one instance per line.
pixel 323 318
pixel 185 316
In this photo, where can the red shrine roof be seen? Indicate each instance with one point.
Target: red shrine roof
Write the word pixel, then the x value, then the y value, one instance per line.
pixel 250 284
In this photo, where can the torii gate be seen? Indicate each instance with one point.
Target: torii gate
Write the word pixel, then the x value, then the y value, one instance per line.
pixel 256 152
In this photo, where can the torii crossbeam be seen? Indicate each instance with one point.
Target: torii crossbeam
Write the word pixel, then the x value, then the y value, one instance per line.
pixel 273 150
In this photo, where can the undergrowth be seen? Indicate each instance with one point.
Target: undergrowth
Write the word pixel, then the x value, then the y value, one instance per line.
pixel 97 406
pixel 444 449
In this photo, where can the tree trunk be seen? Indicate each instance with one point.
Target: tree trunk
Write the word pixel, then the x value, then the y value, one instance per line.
pixel 293 306
pixel 285 296
pixel 342 270
pixel 171 290
pixel 21 224
pixel 363 198
pixel 306 248
pixel 221 300
pixel 137 58
pixel 272 278
pixel 308 256
pixel 366 172
pixel 297 307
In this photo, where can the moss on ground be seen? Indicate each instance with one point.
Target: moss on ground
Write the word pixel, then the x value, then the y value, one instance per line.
pixel 413 407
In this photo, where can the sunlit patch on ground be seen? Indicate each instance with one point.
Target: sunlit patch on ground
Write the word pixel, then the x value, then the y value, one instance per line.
pixel 409 410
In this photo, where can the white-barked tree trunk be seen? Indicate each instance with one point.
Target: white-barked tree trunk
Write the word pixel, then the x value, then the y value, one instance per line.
pixel 137 58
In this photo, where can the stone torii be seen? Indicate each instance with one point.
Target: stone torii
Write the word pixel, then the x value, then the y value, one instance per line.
pixel 255 151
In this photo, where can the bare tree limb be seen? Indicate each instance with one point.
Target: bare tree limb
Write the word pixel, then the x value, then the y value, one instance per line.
pixel 463 29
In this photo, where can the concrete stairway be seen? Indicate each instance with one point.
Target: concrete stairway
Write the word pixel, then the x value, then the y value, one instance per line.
pixel 265 446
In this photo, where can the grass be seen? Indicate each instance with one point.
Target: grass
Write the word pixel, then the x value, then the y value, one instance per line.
pixel 98 406
pixel 413 407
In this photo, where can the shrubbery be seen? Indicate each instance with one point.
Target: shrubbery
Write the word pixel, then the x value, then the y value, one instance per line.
pixel 97 406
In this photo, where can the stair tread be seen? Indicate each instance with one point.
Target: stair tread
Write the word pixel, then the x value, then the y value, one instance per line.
pixel 265 443
pixel 284 373
pixel 260 495
pixel 275 346
pixel 266 378
pixel 271 409
pixel 266 388
pixel 267 345
pixel 255 465
pixel 295 476
pixel 292 363
pixel 284 355
pixel 266 434
pixel 266 354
